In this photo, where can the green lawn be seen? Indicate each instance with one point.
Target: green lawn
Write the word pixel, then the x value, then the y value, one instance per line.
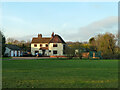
pixel 60 73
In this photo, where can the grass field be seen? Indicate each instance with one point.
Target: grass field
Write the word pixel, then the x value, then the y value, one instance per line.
pixel 51 73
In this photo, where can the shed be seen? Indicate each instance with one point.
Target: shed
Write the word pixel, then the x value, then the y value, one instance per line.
pixel 95 55
pixel 13 50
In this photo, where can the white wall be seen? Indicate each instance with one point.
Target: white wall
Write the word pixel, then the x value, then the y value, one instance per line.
pixel 7 51
pixel 59 49
pixel 33 49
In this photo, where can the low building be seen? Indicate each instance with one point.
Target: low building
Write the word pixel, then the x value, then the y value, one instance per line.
pixel 13 50
pixel 89 54
pixel 48 46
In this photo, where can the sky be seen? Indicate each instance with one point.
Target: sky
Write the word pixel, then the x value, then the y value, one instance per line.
pixel 73 21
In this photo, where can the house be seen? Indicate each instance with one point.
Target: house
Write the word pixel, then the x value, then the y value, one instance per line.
pixel 53 46
pixel 13 50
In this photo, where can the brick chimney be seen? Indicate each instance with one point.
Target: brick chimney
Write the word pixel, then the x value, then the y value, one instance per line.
pixel 52 34
pixel 39 35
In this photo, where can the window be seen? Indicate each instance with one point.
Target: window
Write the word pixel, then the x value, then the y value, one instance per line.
pixel 54 45
pixel 46 45
pixel 35 45
pixel 40 48
pixel 54 52
pixel 63 52
pixel 36 51
pixel 40 45
pixel 63 47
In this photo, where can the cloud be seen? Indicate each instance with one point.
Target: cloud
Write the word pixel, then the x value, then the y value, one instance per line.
pixel 108 24
pixel 84 33
pixel 105 25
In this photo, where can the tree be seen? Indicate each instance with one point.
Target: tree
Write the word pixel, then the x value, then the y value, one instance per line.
pixel 70 52
pixel 25 45
pixel 2 40
pixel 10 40
pixel 106 43
pixel 92 41
pixel 16 42
pixel 92 44
pixel 77 47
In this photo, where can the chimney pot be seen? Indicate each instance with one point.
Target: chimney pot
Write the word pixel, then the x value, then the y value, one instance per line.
pixel 52 34
pixel 39 35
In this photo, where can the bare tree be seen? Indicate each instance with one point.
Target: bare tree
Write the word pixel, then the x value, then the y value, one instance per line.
pixel 10 40
pixel 69 52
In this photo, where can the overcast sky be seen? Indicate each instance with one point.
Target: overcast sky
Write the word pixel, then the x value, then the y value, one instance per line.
pixel 76 21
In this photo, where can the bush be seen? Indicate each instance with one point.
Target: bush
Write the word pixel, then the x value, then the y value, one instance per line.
pixel 70 57
pixel 111 56
pixel 6 55
pixel 80 55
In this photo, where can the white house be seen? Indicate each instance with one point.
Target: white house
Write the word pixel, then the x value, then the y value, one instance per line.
pixel 12 50
pixel 48 46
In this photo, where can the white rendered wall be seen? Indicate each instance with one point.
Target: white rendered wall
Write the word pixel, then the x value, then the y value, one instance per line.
pixel 59 49
pixel 33 49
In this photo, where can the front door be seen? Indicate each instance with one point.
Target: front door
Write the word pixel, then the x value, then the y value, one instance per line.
pixel 43 52
pixel 36 53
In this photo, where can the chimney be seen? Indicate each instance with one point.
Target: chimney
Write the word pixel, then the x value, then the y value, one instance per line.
pixel 52 34
pixel 39 35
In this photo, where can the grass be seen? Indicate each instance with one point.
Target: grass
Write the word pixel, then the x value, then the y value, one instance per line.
pixel 52 73
pixel 5 58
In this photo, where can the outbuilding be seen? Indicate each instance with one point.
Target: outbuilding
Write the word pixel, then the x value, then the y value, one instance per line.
pixel 13 50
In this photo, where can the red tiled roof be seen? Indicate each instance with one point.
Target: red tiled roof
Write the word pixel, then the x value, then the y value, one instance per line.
pixel 54 39
pixel 41 40
pixel 57 39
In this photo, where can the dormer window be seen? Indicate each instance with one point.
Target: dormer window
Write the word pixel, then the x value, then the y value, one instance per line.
pixel 35 45
pixel 40 45
pixel 54 45
pixel 46 45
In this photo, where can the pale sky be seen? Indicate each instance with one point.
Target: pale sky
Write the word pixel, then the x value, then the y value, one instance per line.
pixel 73 21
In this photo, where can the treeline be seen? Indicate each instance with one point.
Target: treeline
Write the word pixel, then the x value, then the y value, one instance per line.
pixel 106 43
pixel 25 45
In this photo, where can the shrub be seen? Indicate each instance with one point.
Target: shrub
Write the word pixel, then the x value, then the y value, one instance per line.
pixel 111 56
